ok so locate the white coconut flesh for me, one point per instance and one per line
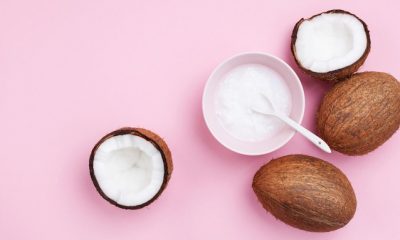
(129, 169)
(330, 41)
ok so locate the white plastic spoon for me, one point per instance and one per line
(300, 129)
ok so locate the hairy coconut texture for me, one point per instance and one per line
(151, 137)
(334, 56)
(306, 193)
(359, 114)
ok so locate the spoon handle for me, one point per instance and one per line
(305, 132)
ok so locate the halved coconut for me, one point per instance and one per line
(330, 45)
(130, 167)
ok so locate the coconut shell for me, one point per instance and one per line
(338, 74)
(359, 114)
(158, 143)
(306, 193)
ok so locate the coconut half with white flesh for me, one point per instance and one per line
(130, 167)
(330, 46)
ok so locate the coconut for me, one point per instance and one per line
(359, 114)
(305, 192)
(130, 167)
(331, 45)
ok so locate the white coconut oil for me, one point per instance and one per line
(241, 90)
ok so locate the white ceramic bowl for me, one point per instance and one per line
(267, 145)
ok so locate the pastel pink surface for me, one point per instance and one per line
(71, 71)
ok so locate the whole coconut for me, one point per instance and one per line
(305, 192)
(359, 114)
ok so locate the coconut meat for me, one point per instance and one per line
(129, 169)
(330, 41)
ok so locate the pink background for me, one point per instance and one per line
(71, 71)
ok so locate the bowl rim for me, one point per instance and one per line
(298, 84)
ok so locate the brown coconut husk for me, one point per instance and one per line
(361, 113)
(305, 192)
